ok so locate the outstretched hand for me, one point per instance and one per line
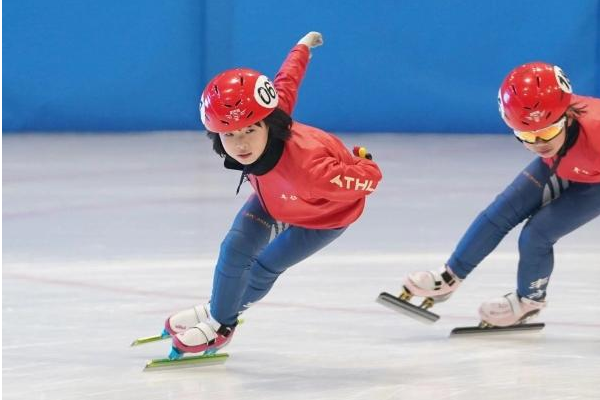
(312, 39)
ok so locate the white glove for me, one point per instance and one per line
(312, 39)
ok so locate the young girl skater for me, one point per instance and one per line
(557, 193)
(308, 188)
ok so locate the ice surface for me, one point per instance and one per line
(105, 235)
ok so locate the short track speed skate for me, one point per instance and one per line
(506, 314)
(433, 286)
(403, 305)
(179, 359)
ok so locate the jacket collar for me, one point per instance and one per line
(266, 162)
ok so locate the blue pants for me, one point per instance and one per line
(254, 253)
(553, 206)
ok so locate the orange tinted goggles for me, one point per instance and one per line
(545, 134)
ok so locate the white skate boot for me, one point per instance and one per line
(183, 320)
(508, 310)
(205, 337)
(434, 286)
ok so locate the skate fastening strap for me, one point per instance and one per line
(225, 331)
(448, 278)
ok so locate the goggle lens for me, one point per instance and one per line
(545, 134)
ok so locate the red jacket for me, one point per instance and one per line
(582, 161)
(317, 183)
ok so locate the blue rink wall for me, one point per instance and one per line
(392, 66)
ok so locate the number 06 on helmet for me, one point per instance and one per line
(235, 99)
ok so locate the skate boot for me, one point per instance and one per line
(505, 315)
(183, 320)
(205, 337)
(508, 310)
(177, 323)
(434, 286)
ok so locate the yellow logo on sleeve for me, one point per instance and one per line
(350, 183)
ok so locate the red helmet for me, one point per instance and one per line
(534, 96)
(235, 99)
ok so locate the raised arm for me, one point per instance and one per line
(288, 79)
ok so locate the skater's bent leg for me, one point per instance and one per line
(248, 235)
(579, 204)
(290, 247)
(517, 202)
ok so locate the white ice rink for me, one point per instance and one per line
(105, 235)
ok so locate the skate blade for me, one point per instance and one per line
(187, 361)
(149, 339)
(496, 330)
(404, 307)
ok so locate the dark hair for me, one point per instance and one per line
(575, 110)
(279, 123)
